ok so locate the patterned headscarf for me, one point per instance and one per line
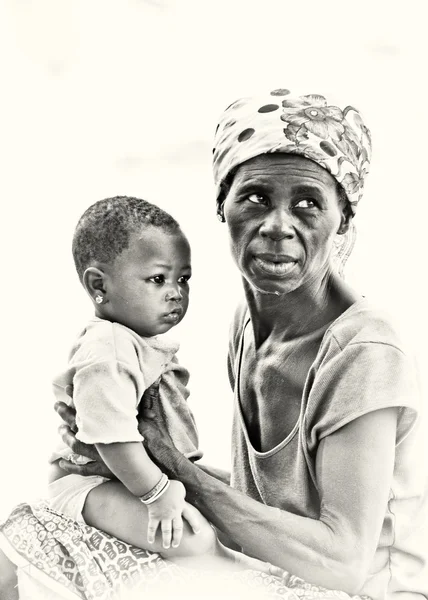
(308, 126)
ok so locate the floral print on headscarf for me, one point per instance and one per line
(334, 138)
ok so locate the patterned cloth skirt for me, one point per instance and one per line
(59, 559)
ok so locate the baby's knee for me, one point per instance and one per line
(205, 541)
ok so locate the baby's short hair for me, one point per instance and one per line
(104, 229)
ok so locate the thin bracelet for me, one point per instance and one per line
(153, 494)
(158, 495)
(154, 491)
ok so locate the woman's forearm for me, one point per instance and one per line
(305, 547)
(220, 474)
(354, 469)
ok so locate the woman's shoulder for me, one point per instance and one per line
(366, 323)
(363, 365)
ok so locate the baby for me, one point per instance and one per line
(134, 262)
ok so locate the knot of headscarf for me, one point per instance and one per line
(334, 138)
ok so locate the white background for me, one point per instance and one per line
(102, 97)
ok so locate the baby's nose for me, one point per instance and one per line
(174, 293)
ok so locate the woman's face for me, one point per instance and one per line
(283, 213)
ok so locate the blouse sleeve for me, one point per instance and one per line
(106, 396)
(358, 379)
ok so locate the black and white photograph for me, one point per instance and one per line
(214, 300)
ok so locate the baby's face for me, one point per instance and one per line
(148, 284)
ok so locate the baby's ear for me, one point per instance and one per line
(93, 281)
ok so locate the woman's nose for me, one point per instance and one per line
(174, 293)
(277, 225)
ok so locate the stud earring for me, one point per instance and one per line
(220, 217)
(99, 299)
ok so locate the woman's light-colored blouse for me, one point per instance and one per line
(360, 366)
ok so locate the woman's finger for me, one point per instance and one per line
(276, 571)
(177, 531)
(92, 468)
(166, 527)
(149, 414)
(152, 528)
(193, 517)
(70, 467)
(70, 440)
(67, 414)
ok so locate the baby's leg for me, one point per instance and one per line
(112, 508)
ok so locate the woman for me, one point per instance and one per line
(325, 432)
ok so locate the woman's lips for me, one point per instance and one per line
(275, 264)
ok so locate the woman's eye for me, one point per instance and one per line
(256, 198)
(305, 203)
(157, 279)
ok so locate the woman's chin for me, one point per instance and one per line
(271, 288)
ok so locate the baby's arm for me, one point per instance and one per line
(133, 467)
(131, 464)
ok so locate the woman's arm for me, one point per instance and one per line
(354, 471)
(99, 466)
(220, 474)
(68, 434)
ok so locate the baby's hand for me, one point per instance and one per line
(168, 511)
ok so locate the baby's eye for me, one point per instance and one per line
(184, 279)
(305, 203)
(157, 279)
(256, 198)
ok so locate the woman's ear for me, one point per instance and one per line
(94, 283)
(345, 219)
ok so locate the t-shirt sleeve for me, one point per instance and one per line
(358, 379)
(106, 395)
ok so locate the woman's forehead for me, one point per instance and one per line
(267, 166)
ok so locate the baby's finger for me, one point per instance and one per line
(166, 527)
(193, 517)
(152, 528)
(177, 531)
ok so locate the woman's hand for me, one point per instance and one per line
(68, 434)
(157, 440)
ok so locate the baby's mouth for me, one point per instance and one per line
(174, 315)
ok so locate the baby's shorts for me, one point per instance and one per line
(68, 494)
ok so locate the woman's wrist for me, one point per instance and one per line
(171, 460)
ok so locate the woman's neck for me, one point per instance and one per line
(302, 311)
